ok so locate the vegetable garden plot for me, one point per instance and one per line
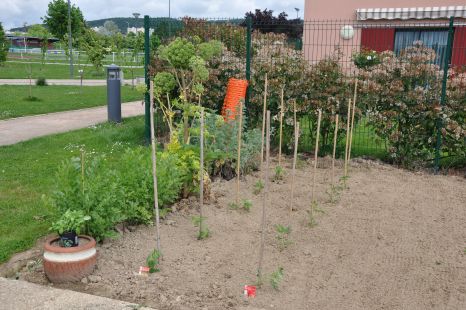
(393, 238)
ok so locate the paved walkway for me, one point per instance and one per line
(75, 82)
(21, 295)
(24, 128)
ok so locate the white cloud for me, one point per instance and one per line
(13, 13)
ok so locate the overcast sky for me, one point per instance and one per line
(13, 13)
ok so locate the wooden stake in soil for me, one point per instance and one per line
(347, 136)
(238, 159)
(265, 198)
(335, 133)
(352, 118)
(263, 121)
(316, 152)
(281, 128)
(295, 156)
(201, 172)
(154, 165)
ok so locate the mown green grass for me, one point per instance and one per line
(28, 172)
(14, 99)
(365, 141)
(17, 70)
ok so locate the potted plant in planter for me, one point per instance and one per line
(69, 227)
(70, 256)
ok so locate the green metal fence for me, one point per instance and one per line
(410, 101)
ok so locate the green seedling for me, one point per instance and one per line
(258, 187)
(204, 232)
(163, 212)
(279, 173)
(283, 233)
(153, 261)
(233, 206)
(276, 277)
(334, 193)
(343, 180)
(247, 205)
(312, 222)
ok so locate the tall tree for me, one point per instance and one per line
(3, 45)
(56, 19)
(264, 21)
(110, 28)
(38, 31)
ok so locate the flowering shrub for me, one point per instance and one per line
(401, 96)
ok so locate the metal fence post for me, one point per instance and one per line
(443, 96)
(248, 58)
(146, 78)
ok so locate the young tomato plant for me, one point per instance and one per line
(205, 232)
(276, 278)
(258, 187)
(283, 234)
(153, 260)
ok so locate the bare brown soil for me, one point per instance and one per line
(394, 240)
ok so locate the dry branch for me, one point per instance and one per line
(238, 160)
(265, 198)
(154, 165)
(335, 133)
(295, 157)
(263, 121)
(316, 151)
(347, 136)
(352, 118)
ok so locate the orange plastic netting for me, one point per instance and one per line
(236, 91)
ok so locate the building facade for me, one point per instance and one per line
(349, 26)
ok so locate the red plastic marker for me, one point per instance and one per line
(143, 270)
(250, 291)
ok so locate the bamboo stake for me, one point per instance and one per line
(265, 198)
(201, 171)
(238, 161)
(263, 121)
(316, 151)
(295, 156)
(352, 118)
(281, 128)
(154, 166)
(347, 136)
(335, 133)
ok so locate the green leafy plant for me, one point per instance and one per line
(311, 220)
(187, 62)
(276, 278)
(247, 205)
(334, 192)
(283, 234)
(366, 58)
(258, 187)
(70, 221)
(279, 173)
(205, 232)
(153, 260)
(233, 206)
(402, 96)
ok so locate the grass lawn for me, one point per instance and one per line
(365, 141)
(27, 172)
(16, 70)
(14, 99)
